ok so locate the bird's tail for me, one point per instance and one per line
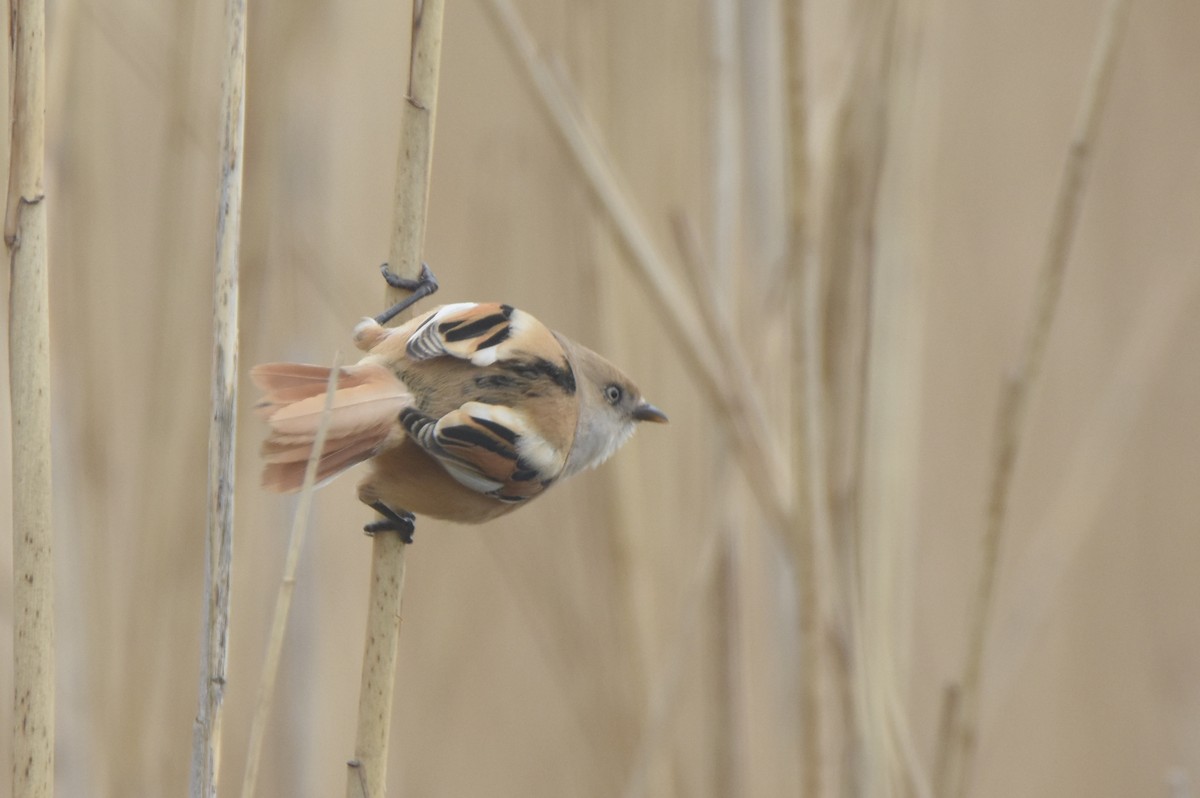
(366, 404)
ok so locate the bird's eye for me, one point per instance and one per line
(613, 394)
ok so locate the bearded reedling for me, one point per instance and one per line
(464, 413)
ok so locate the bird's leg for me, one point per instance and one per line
(421, 287)
(401, 521)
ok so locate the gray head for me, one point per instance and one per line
(610, 408)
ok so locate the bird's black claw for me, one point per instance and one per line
(425, 280)
(403, 522)
(421, 287)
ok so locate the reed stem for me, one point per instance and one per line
(214, 649)
(29, 386)
(367, 775)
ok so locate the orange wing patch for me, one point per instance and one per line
(489, 449)
(482, 333)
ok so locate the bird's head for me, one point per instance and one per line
(610, 408)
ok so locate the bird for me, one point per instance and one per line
(463, 413)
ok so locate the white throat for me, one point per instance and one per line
(596, 440)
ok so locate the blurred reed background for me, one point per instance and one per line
(635, 632)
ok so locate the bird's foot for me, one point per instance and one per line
(421, 287)
(401, 521)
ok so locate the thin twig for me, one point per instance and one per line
(663, 698)
(1096, 470)
(723, 338)
(834, 333)
(1014, 400)
(283, 599)
(730, 741)
(754, 445)
(29, 386)
(727, 170)
(803, 528)
(214, 650)
(367, 773)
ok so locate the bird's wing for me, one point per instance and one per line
(510, 440)
(483, 333)
(492, 449)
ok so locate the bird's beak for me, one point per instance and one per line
(648, 412)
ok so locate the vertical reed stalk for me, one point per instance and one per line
(367, 774)
(720, 283)
(214, 652)
(29, 370)
(803, 530)
(956, 764)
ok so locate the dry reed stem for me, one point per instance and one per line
(722, 379)
(726, 339)
(663, 698)
(835, 293)
(729, 756)
(803, 405)
(889, 436)
(731, 357)
(1093, 474)
(367, 772)
(954, 779)
(283, 599)
(727, 172)
(29, 386)
(214, 654)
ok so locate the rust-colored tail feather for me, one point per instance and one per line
(365, 408)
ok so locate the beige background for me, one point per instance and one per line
(598, 643)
